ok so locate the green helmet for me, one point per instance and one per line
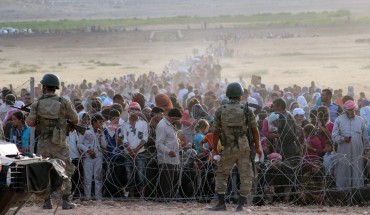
(50, 80)
(234, 89)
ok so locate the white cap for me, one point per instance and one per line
(298, 111)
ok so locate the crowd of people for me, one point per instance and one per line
(152, 137)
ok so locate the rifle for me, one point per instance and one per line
(250, 140)
(80, 129)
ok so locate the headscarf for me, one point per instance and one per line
(273, 117)
(298, 111)
(349, 105)
(163, 101)
(275, 156)
(302, 102)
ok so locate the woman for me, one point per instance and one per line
(324, 125)
(187, 121)
(20, 133)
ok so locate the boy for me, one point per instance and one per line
(92, 144)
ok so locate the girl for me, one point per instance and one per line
(201, 128)
(20, 133)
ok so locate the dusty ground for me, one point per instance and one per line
(191, 208)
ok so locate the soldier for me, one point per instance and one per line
(50, 113)
(231, 123)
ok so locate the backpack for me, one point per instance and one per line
(233, 117)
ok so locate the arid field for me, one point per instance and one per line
(329, 55)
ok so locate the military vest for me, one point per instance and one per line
(233, 118)
(51, 117)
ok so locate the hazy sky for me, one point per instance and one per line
(77, 9)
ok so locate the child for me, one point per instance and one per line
(201, 128)
(91, 144)
(329, 158)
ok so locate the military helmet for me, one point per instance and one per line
(50, 80)
(234, 89)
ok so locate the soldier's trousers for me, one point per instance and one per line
(58, 151)
(225, 165)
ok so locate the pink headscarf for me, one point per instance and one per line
(349, 105)
(274, 155)
(134, 105)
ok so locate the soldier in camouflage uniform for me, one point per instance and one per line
(231, 123)
(50, 113)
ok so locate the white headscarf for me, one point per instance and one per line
(302, 102)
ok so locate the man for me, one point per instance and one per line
(5, 108)
(154, 92)
(231, 123)
(185, 98)
(27, 98)
(135, 136)
(334, 109)
(286, 130)
(156, 116)
(108, 101)
(252, 102)
(182, 91)
(50, 114)
(168, 154)
(120, 100)
(350, 135)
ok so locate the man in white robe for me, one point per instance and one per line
(350, 135)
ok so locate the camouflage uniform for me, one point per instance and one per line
(50, 113)
(236, 146)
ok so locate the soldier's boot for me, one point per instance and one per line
(241, 202)
(67, 204)
(47, 203)
(221, 206)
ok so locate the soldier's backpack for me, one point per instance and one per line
(233, 117)
(50, 110)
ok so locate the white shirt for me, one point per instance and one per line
(72, 142)
(166, 141)
(252, 100)
(181, 94)
(90, 140)
(134, 135)
(107, 101)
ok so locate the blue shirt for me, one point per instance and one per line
(334, 109)
(197, 139)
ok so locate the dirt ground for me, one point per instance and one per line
(190, 208)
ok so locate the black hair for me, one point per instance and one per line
(280, 102)
(96, 117)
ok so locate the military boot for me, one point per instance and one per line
(241, 202)
(67, 204)
(47, 203)
(220, 205)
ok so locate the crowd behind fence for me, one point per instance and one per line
(307, 176)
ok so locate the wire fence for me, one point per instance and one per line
(293, 182)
